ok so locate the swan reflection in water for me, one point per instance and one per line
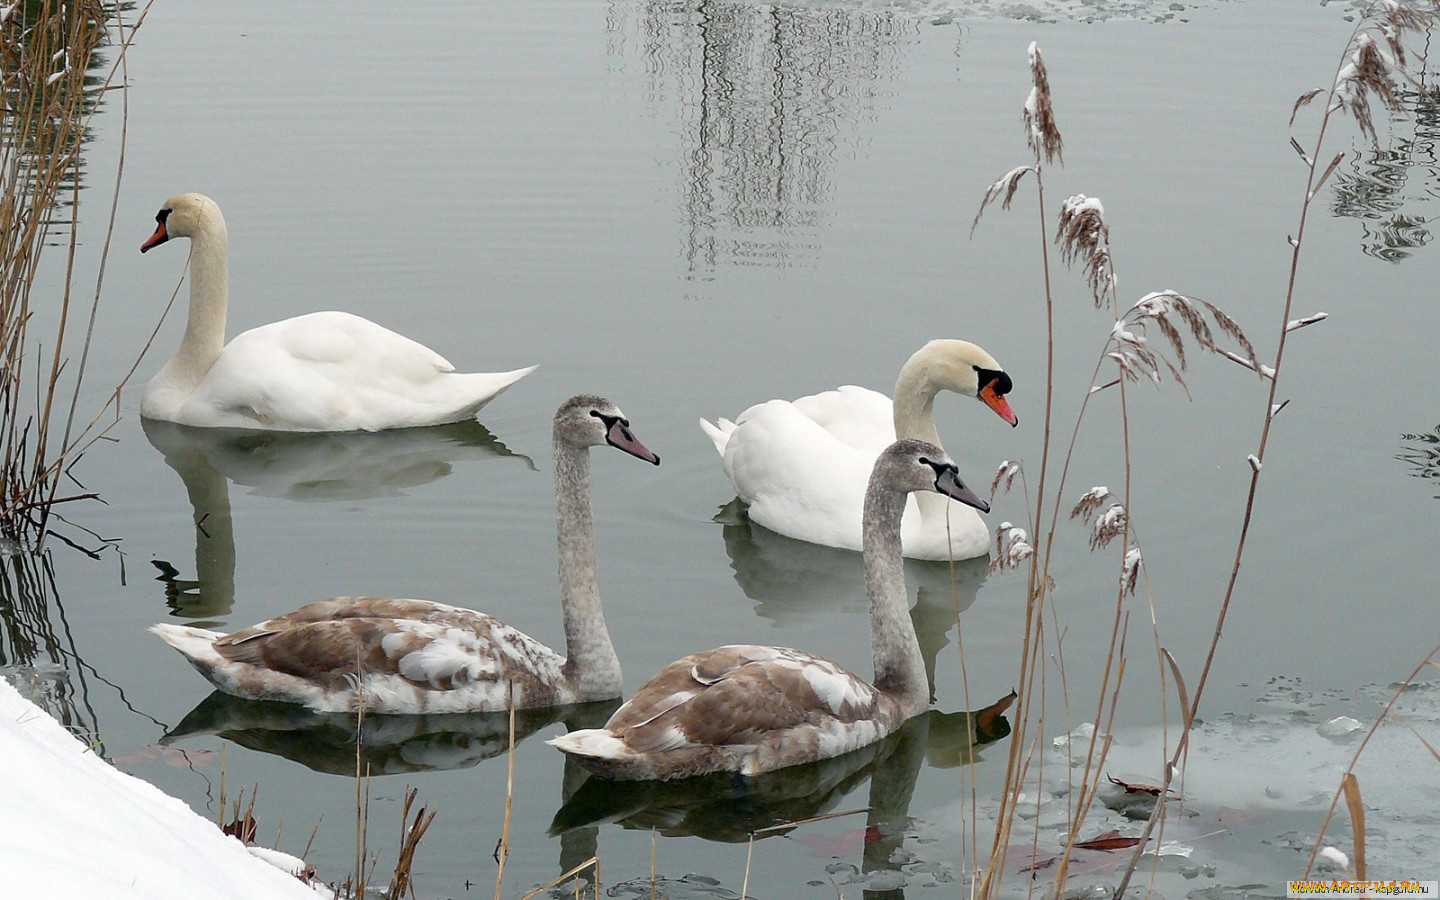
(304, 467)
(388, 744)
(733, 809)
(795, 582)
(394, 744)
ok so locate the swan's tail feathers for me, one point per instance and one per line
(496, 383)
(599, 751)
(196, 644)
(719, 432)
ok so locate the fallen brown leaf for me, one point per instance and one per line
(1136, 788)
(1110, 840)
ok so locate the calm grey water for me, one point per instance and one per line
(690, 208)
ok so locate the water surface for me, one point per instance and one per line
(688, 209)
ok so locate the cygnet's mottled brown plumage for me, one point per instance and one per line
(751, 709)
(415, 656)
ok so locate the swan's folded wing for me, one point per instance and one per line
(737, 696)
(432, 655)
(855, 416)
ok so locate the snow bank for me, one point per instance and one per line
(71, 825)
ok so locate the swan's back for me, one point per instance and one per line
(383, 654)
(333, 371)
(743, 708)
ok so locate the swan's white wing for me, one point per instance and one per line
(333, 371)
(796, 476)
(855, 416)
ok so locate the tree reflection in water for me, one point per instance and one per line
(765, 99)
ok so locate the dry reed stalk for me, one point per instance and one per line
(1361, 74)
(1400, 689)
(592, 862)
(1351, 787)
(410, 836)
(1045, 143)
(362, 783)
(1083, 238)
(46, 111)
(502, 849)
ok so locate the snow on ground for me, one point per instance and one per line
(71, 825)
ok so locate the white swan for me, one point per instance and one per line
(802, 466)
(750, 709)
(325, 371)
(415, 656)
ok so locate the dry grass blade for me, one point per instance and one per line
(1168, 311)
(1351, 787)
(1301, 102)
(411, 832)
(786, 826)
(1003, 190)
(1179, 688)
(592, 862)
(1329, 170)
(1428, 746)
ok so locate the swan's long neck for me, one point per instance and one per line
(914, 406)
(590, 657)
(899, 667)
(209, 298)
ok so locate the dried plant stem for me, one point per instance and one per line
(410, 835)
(49, 46)
(592, 862)
(502, 852)
(1360, 748)
(1315, 176)
(1038, 579)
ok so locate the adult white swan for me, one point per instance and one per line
(415, 656)
(325, 371)
(749, 709)
(801, 466)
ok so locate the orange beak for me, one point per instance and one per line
(159, 237)
(998, 403)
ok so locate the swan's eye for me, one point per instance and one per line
(162, 215)
(997, 379)
(596, 414)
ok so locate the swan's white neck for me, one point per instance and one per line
(914, 406)
(590, 657)
(899, 667)
(209, 298)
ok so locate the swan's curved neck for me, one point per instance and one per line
(914, 405)
(590, 657)
(899, 667)
(209, 298)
